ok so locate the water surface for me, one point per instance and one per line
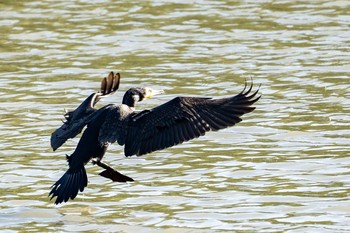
(285, 168)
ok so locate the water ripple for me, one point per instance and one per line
(284, 168)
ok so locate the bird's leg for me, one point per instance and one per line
(110, 173)
(100, 164)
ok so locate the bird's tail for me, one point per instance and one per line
(69, 184)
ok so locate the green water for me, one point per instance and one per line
(285, 168)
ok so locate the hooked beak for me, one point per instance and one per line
(152, 92)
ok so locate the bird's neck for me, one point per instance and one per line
(129, 100)
(127, 108)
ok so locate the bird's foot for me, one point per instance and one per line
(115, 176)
(110, 173)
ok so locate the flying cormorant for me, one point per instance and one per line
(180, 119)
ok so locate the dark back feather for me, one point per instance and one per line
(114, 127)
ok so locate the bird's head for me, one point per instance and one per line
(134, 95)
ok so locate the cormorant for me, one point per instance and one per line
(180, 119)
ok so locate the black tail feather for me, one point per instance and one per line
(68, 186)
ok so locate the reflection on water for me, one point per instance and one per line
(284, 168)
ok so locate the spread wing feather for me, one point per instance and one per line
(183, 119)
(77, 119)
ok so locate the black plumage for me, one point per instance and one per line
(76, 120)
(180, 119)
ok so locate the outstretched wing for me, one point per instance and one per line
(77, 119)
(183, 119)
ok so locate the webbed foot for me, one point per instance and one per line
(110, 173)
(115, 176)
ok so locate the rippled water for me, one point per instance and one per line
(285, 168)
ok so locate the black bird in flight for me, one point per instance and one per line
(140, 132)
